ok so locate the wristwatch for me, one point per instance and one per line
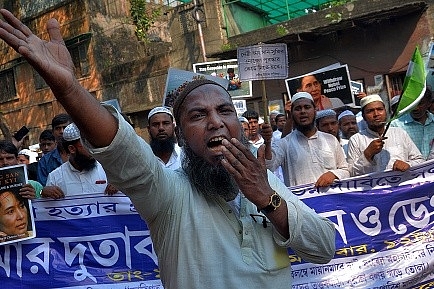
(275, 202)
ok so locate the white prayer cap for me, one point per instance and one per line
(345, 113)
(31, 155)
(370, 98)
(243, 119)
(325, 112)
(71, 132)
(25, 152)
(159, 109)
(300, 95)
(395, 100)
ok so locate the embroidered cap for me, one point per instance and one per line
(159, 109)
(71, 132)
(345, 113)
(325, 112)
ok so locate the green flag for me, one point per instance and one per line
(414, 85)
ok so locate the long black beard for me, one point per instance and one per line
(84, 162)
(162, 146)
(211, 180)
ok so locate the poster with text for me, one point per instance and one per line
(333, 84)
(16, 214)
(226, 69)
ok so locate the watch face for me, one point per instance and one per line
(275, 200)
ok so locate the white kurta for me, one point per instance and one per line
(200, 241)
(304, 159)
(73, 182)
(397, 146)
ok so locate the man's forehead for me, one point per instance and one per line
(302, 102)
(374, 104)
(160, 116)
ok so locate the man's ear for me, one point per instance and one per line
(179, 136)
(71, 149)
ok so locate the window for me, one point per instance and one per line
(78, 48)
(39, 81)
(8, 90)
(396, 81)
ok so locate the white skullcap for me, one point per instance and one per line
(25, 152)
(345, 113)
(71, 132)
(395, 100)
(370, 98)
(159, 109)
(31, 154)
(243, 119)
(260, 120)
(325, 112)
(300, 95)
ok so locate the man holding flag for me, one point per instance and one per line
(370, 151)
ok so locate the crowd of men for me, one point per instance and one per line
(323, 146)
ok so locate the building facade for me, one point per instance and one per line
(375, 38)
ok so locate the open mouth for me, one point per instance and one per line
(215, 142)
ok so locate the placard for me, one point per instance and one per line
(264, 61)
(227, 69)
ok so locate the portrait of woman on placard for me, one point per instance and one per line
(14, 216)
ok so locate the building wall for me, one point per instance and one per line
(120, 66)
(374, 37)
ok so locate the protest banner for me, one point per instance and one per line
(332, 82)
(385, 234)
(384, 223)
(16, 214)
(227, 69)
(94, 241)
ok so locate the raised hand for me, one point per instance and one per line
(50, 58)
(53, 62)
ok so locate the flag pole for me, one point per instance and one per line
(391, 118)
(265, 101)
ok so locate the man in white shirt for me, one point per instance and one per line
(369, 151)
(161, 129)
(255, 137)
(280, 120)
(82, 173)
(307, 155)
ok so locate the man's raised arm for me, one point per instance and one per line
(51, 59)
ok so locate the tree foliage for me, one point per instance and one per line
(142, 18)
